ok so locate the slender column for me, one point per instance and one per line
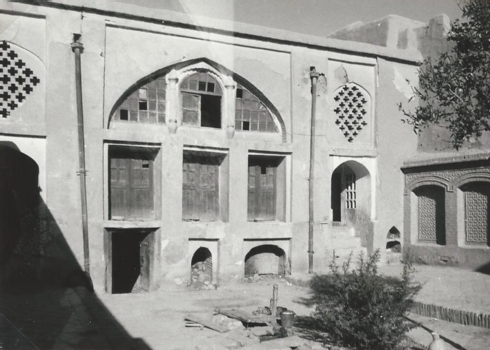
(229, 116)
(314, 78)
(172, 101)
(77, 48)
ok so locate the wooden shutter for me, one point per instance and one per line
(119, 200)
(141, 189)
(262, 192)
(191, 109)
(131, 187)
(200, 188)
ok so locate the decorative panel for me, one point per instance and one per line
(17, 80)
(431, 214)
(351, 109)
(476, 214)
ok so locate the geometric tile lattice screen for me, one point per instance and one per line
(427, 218)
(17, 80)
(476, 213)
(350, 105)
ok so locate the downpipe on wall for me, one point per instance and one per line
(77, 48)
(314, 78)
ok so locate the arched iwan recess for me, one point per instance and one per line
(148, 83)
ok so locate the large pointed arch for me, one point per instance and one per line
(218, 67)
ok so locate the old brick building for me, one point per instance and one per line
(197, 147)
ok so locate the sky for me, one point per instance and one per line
(314, 17)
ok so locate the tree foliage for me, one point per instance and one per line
(454, 88)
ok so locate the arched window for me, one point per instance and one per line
(431, 214)
(251, 114)
(145, 104)
(476, 198)
(344, 194)
(201, 101)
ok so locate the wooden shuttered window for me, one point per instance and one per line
(262, 187)
(200, 187)
(131, 186)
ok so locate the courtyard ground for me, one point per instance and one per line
(75, 319)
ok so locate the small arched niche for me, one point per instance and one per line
(265, 259)
(202, 267)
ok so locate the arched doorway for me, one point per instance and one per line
(265, 259)
(350, 193)
(476, 213)
(19, 200)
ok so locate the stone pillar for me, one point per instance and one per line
(229, 106)
(172, 101)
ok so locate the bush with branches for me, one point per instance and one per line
(358, 308)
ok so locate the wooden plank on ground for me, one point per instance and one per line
(243, 316)
(206, 323)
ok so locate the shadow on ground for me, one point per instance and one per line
(47, 300)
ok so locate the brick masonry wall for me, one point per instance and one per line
(451, 176)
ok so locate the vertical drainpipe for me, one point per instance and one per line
(314, 78)
(77, 48)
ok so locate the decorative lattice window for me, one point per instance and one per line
(251, 114)
(17, 80)
(350, 109)
(431, 214)
(144, 105)
(350, 191)
(476, 213)
(201, 101)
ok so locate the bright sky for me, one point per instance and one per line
(315, 17)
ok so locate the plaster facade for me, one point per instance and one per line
(129, 51)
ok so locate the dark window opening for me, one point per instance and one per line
(124, 114)
(211, 111)
(246, 126)
(130, 261)
(239, 93)
(201, 101)
(143, 105)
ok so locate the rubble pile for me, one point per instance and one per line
(202, 275)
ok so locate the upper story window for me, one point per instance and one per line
(251, 114)
(145, 105)
(201, 101)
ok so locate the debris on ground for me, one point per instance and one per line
(206, 322)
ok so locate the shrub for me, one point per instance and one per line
(359, 308)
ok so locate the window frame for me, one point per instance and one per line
(206, 157)
(278, 163)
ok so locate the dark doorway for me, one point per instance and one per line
(131, 261)
(266, 259)
(336, 191)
